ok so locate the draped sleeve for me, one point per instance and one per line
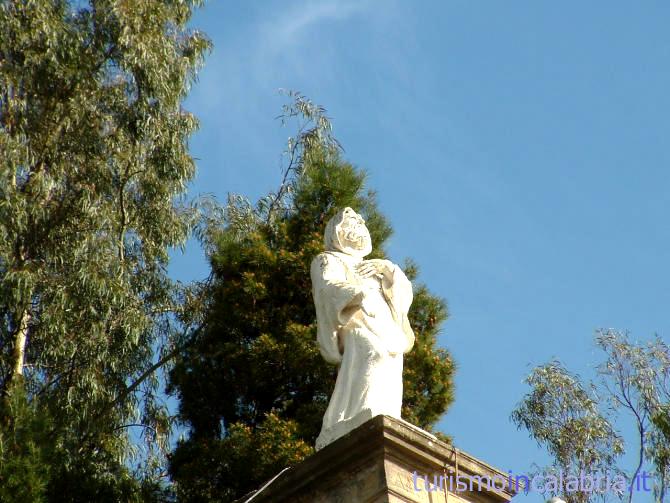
(334, 296)
(399, 295)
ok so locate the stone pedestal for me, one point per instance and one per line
(387, 460)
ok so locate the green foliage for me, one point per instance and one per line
(253, 387)
(93, 159)
(24, 471)
(244, 453)
(636, 378)
(428, 370)
(563, 416)
(576, 422)
(660, 448)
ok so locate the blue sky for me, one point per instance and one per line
(520, 150)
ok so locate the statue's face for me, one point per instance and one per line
(353, 233)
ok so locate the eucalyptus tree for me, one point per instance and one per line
(564, 416)
(637, 380)
(660, 451)
(579, 423)
(93, 162)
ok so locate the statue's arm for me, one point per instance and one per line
(398, 290)
(329, 277)
(335, 300)
(401, 288)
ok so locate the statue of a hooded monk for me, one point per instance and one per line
(361, 308)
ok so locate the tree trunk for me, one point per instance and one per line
(20, 344)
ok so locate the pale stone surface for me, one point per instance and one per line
(361, 308)
(376, 463)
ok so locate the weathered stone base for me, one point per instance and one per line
(385, 460)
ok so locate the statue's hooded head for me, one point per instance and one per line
(346, 232)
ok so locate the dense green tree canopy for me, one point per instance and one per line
(93, 156)
(253, 387)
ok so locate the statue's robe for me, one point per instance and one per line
(362, 327)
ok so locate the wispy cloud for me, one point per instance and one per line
(269, 50)
(287, 29)
(314, 47)
(280, 48)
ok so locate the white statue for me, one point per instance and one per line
(361, 309)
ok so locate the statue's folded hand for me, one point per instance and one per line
(376, 267)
